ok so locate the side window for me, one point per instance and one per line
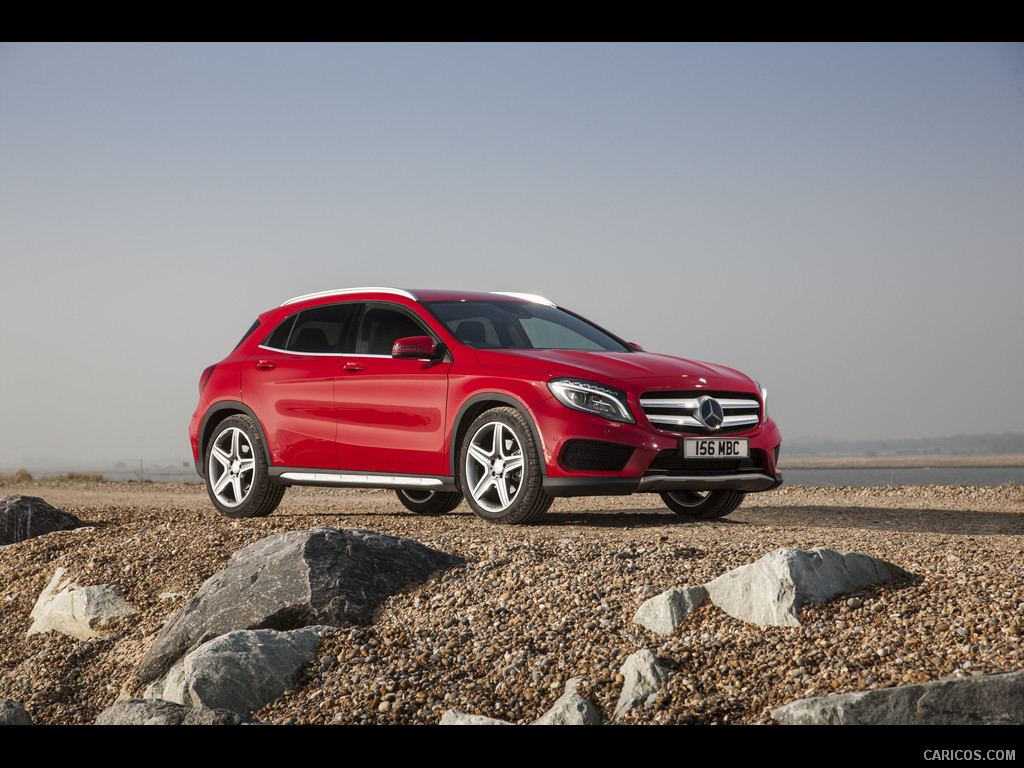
(319, 330)
(381, 326)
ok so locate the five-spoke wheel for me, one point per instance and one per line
(236, 470)
(500, 470)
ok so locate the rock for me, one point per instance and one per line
(996, 699)
(81, 612)
(662, 614)
(570, 709)
(643, 676)
(25, 517)
(296, 579)
(241, 671)
(157, 712)
(12, 713)
(770, 591)
(455, 717)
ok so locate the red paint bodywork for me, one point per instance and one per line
(378, 414)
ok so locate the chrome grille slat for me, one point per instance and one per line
(675, 411)
(689, 421)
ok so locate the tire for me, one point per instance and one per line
(428, 502)
(703, 505)
(237, 477)
(500, 470)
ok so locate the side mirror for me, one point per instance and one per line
(417, 348)
(636, 346)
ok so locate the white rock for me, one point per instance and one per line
(82, 612)
(571, 709)
(643, 676)
(770, 591)
(455, 717)
(663, 613)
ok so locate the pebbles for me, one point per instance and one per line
(536, 606)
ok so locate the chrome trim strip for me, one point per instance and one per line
(689, 421)
(380, 481)
(690, 403)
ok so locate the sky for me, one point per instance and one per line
(843, 222)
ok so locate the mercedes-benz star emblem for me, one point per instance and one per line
(710, 413)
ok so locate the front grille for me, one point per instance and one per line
(677, 411)
(595, 456)
(673, 463)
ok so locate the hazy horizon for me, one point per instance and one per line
(843, 222)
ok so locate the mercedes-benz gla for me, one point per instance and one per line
(506, 400)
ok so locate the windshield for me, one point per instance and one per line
(521, 325)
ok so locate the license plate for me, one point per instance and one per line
(716, 448)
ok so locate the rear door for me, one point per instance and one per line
(289, 383)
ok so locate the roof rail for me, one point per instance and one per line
(526, 297)
(341, 291)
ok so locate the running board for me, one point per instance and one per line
(363, 480)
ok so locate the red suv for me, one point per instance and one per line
(506, 399)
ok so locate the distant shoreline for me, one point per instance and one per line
(897, 462)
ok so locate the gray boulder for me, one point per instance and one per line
(981, 700)
(82, 612)
(643, 677)
(663, 613)
(571, 709)
(12, 713)
(770, 591)
(329, 576)
(240, 671)
(25, 517)
(157, 712)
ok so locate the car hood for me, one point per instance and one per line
(604, 366)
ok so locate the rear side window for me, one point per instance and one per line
(248, 333)
(318, 330)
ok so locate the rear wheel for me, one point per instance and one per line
(428, 502)
(702, 505)
(237, 476)
(500, 469)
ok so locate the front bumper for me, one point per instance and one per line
(652, 460)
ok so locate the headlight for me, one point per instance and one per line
(593, 398)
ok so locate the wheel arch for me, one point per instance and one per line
(214, 416)
(472, 408)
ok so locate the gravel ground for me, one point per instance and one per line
(538, 605)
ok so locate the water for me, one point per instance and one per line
(879, 476)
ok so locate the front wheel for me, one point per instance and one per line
(428, 502)
(499, 468)
(237, 476)
(702, 505)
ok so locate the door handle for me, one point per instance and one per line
(353, 367)
(265, 365)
